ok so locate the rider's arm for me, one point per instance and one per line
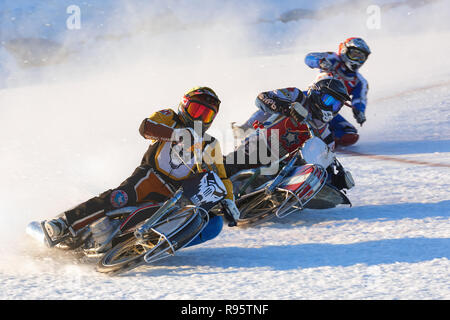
(279, 101)
(359, 99)
(359, 94)
(326, 61)
(159, 126)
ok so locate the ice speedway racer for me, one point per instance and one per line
(310, 176)
(293, 127)
(164, 205)
(121, 244)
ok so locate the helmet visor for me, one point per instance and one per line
(356, 55)
(331, 103)
(199, 111)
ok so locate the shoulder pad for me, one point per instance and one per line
(165, 116)
(289, 94)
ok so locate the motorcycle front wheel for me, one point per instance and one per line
(166, 237)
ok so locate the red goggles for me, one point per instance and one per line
(200, 111)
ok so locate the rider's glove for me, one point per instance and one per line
(231, 213)
(298, 112)
(360, 117)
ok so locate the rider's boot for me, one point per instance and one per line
(56, 228)
(347, 139)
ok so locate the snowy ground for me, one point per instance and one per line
(72, 133)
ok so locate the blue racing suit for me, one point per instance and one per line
(356, 84)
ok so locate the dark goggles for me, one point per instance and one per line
(356, 55)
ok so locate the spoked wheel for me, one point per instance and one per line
(254, 208)
(166, 237)
(258, 208)
(124, 256)
(240, 180)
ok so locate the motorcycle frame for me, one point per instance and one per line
(149, 224)
(319, 175)
(170, 251)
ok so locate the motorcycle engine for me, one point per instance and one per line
(102, 229)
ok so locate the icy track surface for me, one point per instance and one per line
(65, 140)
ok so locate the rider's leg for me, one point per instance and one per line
(143, 185)
(258, 115)
(211, 231)
(344, 132)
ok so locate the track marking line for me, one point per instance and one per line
(387, 158)
(396, 95)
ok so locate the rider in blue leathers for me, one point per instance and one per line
(344, 66)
